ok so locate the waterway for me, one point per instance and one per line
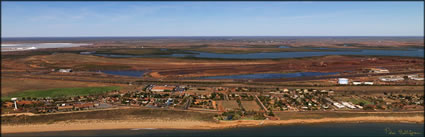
(274, 55)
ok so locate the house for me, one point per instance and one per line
(83, 106)
(348, 105)
(343, 81)
(414, 77)
(65, 70)
(65, 108)
(163, 88)
(357, 83)
(378, 70)
(338, 105)
(180, 89)
(8, 104)
(391, 78)
(358, 106)
(417, 78)
(413, 107)
(368, 83)
(24, 102)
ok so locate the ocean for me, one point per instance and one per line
(329, 129)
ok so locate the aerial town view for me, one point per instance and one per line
(212, 69)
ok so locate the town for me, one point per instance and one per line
(238, 100)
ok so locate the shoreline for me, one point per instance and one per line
(190, 124)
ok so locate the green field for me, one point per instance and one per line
(62, 92)
(356, 100)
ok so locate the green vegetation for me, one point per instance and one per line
(359, 101)
(62, 92)
(230, 115)
(118, 114)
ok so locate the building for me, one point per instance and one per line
(349, 105)
(357, 83)
(163, 88)
(180, 88)
(338, 105)
(378, 70)
(417, 78)
(414, 77)
(65, 70)
(368, 83)
(343, 81)
(391, 78)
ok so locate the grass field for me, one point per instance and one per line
(117, 114)
(229, 105)
(15, 85)
(250, 105)
(359, 100)
(62, 92)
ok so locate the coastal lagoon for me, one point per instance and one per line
(274, 55)
(329, 129)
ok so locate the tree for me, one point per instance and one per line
(259, 116)
(213, 95)
(271, 113)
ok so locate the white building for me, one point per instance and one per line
(378, 70)
(391, 78)
(414, 77)
(343, 81)
(417, 78)
(368, 83)
(357, 83)
(65, 70)
(338, 105)
(348, 105)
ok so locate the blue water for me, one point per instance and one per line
(408, 53)
(124, 73)
(284, 47)
(370, 52)
(270, 75)
(336, 129)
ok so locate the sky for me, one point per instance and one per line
(81, 19)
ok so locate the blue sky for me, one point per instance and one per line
(44, 19)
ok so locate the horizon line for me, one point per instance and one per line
(216, 36)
